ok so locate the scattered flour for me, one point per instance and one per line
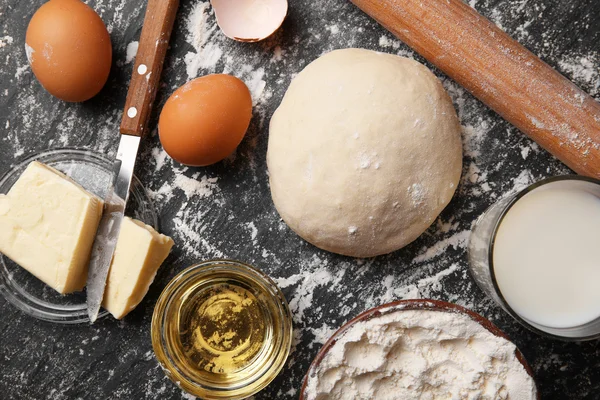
(132, 49)
(5, 41)
(315, 285)
(190, 229)
(323, 333)
(314, 275)
(524, 179)
(119, 17)
(585, 70)
(302, 299)
(200, 32)
(256, 84)
(160, 157)
(385, 42)
(457, 240)
(417, 193)
(277, 54)
(20, 71)
(195, 186)
(253, 232)
(424, 288)
(208, 42)
(287, 282)
(334, 29)
(187, 396)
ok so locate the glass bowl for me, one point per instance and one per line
(480, 251)
(25, 291)
(222, 329)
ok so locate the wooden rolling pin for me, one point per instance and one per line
(499, 71)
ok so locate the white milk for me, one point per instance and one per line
(547, 257)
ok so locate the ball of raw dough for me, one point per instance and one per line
(364, 152)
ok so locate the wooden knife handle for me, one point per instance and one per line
(499, 71)
(154, 42)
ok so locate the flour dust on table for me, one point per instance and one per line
(233, 216)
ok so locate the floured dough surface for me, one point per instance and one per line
(364, 152)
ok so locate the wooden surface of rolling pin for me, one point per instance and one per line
(499, 71)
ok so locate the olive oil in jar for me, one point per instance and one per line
(222, 329)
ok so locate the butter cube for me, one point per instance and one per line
(47, 225)
(139, 253)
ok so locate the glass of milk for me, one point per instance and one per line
(537, 254)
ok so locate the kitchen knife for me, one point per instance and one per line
(154, 41)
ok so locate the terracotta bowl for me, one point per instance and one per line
(421, 304)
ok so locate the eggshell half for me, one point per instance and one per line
(249, 20)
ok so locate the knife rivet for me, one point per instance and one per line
(132, 112)
(142, 69)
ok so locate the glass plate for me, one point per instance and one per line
(24, 290)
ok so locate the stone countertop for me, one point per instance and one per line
(226, 211)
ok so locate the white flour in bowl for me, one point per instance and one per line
(416, 354)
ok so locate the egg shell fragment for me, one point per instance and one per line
(69, 49)
(249, 20)
(205, 120)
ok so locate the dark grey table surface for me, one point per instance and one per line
(226, 211)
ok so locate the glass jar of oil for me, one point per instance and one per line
(222, 330)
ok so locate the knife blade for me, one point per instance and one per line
(110, 225)
(152, 49)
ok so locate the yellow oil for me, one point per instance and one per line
(223, 330)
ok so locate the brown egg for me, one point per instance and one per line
(69, 49)
(205, 120)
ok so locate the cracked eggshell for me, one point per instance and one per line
(249, 20)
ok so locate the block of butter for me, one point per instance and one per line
(139, 253)
(47, 226)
